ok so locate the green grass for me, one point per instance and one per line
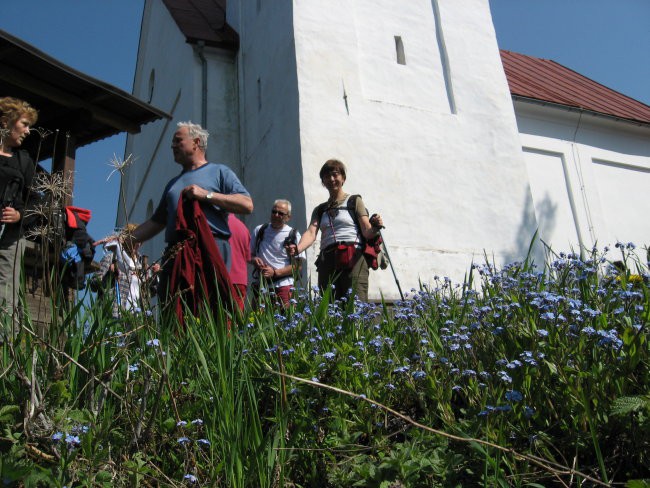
(518, 377)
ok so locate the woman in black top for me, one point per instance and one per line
(16, 173)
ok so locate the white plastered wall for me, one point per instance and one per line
(268, 104)
(450, 186)
(589, 177)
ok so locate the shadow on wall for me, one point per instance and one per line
(271, 151)
(536, 226)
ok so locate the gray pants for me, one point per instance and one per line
(11, 260)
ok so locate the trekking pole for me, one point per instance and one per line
(116, 277)
(296, 272)
(390, 262)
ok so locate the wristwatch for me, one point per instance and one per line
(209, 196)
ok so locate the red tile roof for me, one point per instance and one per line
(547, 81)
(203, 20)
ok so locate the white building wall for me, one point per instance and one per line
(440, 161)
(588, 177)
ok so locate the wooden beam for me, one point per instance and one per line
(61, 97)
(63, 161)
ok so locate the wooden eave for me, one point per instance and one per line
(204, 21)
(70, 104)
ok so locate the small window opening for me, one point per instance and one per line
(152, 83)
(399, 50)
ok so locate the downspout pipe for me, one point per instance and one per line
(199, 49)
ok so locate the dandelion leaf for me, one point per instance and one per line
(7, 413)
(638, 484)
(625, 405)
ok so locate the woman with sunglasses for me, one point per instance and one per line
(344, 230)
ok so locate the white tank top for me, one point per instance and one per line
(345, 228)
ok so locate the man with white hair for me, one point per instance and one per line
(274, 268)
(214, 186)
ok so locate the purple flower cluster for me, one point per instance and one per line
(71, 440)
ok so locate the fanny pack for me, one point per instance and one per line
(344, 256)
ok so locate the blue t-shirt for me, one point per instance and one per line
(212, 177)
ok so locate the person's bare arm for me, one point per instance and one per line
(146, 230)
(288, 270)
(235, 203)
(306, 240)
(370, 227)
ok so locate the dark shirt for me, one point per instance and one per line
(21, 161)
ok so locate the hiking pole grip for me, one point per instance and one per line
(378, 227)
(390, 262)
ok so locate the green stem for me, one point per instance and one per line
(594, 436)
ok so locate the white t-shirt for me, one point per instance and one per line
(128, 270)
(272, 251)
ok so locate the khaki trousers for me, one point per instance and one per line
(343, 280)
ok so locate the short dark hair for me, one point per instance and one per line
(332, 165)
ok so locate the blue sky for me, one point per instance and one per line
(604, 40)
(607, 41)
(99, 38)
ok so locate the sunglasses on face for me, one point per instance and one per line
(277, 212)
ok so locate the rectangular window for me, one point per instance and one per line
(399, 50)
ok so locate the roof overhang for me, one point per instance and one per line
(204, 21)
(545, 82)
(569, 108)
(68, 101)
